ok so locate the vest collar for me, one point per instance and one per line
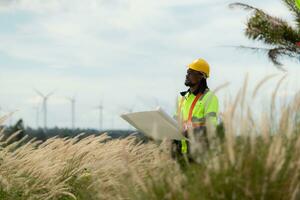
(195, 93)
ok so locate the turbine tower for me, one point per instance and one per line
(100, 108)
(72, 101)
(112, 122)
(45, 99)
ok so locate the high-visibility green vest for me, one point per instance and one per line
(297, 2)
(205, 109)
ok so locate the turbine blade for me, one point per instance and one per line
(39, 93)
(49, 94)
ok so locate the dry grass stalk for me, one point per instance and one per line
(261, 83)
(263, 151)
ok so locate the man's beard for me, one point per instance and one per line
(189, 84)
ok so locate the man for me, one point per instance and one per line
(197, 106)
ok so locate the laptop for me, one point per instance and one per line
(156, 124)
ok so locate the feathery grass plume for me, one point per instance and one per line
(261, 163)
(220, 87)
(257, 159)
(3, 119)
(261, 83)
(243, 94)
(272, 112)
(58, 167)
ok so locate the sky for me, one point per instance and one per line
(131, 55)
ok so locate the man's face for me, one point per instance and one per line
(192, 78)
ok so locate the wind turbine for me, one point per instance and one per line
(111, 119)
(73, 101)
(45, 99)
(100, 108)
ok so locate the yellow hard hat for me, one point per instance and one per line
(200, 65)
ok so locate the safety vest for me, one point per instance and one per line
(194, 111)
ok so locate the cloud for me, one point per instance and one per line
(122, 51)
(70, 33)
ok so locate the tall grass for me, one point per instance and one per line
(87, 169)
(258, 158)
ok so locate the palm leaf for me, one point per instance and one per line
(295, 11)
(272, 31)
(272, 53)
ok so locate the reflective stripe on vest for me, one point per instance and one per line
(184, 147)
(189, 123)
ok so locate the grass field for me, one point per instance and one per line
(258, 158)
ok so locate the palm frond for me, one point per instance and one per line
(291, 5)
(270, 30)
(243, 6)
(274, 54)
(273, 31)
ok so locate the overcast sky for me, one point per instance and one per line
(129, 54)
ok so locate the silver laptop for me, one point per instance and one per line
(156, 124)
